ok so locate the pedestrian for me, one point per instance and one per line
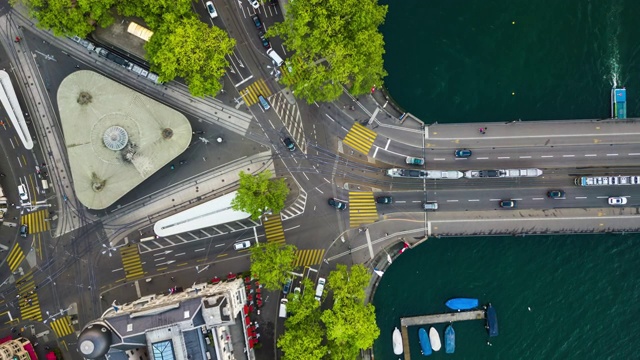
(77, 66)
(173, 279)
(17, 40)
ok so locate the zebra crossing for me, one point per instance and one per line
(15, 257)
(362, 208)
(131, 262)
(296, 208)
(62, 326)
(273, 229)
(37, 221)
(251, 92)
(360, 138)
(308, 257)
(290, 116)
(28, 298)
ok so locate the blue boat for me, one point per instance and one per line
(425, 345)
(619, 103)
(492, 321)
(462, 303)
(449, 340)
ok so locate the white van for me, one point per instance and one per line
(320, 288)
(45, 184)
(275, 57)
(283, 308)
(430, 206)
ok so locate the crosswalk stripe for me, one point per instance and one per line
(36, 221)
(131, 262)
(273, 229)
(309, 257)
(27, 290)
(362, 208)
(15, 257)
(360, 138)
(62, 326)
(251, 92)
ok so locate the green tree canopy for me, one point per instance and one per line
(69, 17)
(335, 43)
(155, 13)
(258, 193)
(192, 50)
(272, 263)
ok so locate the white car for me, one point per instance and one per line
(617, 200)
(22, 190)
(242, 245)
(254, 3)
(211, 9)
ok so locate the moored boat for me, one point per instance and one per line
(425, 345)
(449, 340)
(462, 303)
(492, 321)
(434, 339)
(619, 103)
(397, 342)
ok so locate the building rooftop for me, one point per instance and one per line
(115, 137)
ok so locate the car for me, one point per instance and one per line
(287, 286)
(508, 204)
(296, 293)
(289, 144)
(265, 42)
(320, 288)
(22, 191)
(384, 200)
(338, 204)
(263, 102)
(555, 194)
(24, 230)
(211, 9)
(414, 161)
(242, 245)
(257, 22)
(430, 206)
(617, 200)
(462, 153)
(254, 3)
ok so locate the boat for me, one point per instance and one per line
(425, 345)
(502, 173)
(397, 342)
(492, 321)
(462, 303)
(449, 340)
(378, 272)
(434, 339)
(619, 103)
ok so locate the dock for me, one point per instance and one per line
(405, 322)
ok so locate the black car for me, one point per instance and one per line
(555, 194)
(257, 22)
(265, 42)
(384, 200)
(289, 144)
(338, 204)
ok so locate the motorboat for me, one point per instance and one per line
(462, 303)
(492, 321)
(434, 339)
(449, 340)
(425, 344)
(397, 342)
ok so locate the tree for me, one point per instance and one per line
(259, 193)
(190, 49)
(69, 17)
(157, 12)
(335, 43)
(348, 283)
(272, 263)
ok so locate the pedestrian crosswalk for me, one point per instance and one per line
(62, 326)
(273, 229)
(290, 115)
(362, 208)
(28, 298)
(297, 207)
(15, 257)
(131, 262)
(360, 138)
(308, 257)
(290, 75)
(37, 221)
(251, 92)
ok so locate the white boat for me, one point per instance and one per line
(397, 342)
(434, 339)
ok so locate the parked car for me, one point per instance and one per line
(254, 3)
(287, 286)
(242, 245)
(462, 153)
(508, 204)
(555, 194)
(211, 9)
(289, 144)
(257, 22)
(414, 161)
(384, 200)
(265, 42)
(617, 200)
(430, 206)
(24, 230)
(338, 204)
(320, 288)
(263, 102)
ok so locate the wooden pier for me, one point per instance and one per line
(405, 322)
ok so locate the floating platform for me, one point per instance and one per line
(619, 103)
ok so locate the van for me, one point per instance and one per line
(242, 245)
(430, 206)
(320, 288)
(275, 57)
(45, 184)
(283, 308)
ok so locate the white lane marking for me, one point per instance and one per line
(612, 154)
(580, 197)
(202, 249)
(590, 155)
(634, 154)
(388, 142)
(344, 128)
(416, 201)
(454, 200)
(482, 158)
(546, 156)
(179, 254)
(219, 245)
(114, 270)
(473, 200)
(461, 159)
(291, 228)
(602, 197)
(375, 152)
(271, 124)
(495, 199)
(525, 157)
(325, 179)
(400, 202)
(305, 175)
(504, 157)
(568, 156)
(319, 191)
(538, 199)
(518, 199)
(439, 159)
(158, 259)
